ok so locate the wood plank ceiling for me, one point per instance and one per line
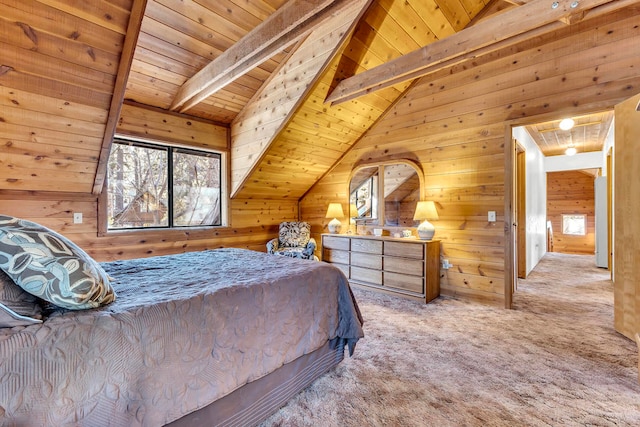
(588, 134)
(177, 39)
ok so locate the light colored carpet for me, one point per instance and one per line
(553, 361)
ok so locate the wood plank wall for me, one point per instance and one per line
(453, 124)
(58, 68)
(571, 192)
(253, 221)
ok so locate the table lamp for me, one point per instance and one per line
(425, 210)
(334, 211)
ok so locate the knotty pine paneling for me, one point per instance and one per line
(253, 223)
(571, 192)
(261, 121)
(319, 133)
(178, 39)
(57, 76)
(453, 122)
(154, 124)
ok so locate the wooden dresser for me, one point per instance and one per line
(404, 266)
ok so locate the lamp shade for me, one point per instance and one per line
(334, 211)
(425, 210)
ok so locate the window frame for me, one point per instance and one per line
(573, 216)
(170, 148)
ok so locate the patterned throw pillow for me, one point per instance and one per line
(49, 266)
(294, 234)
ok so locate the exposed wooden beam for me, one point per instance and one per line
(126, 59)
(323, 44)
(486, 35)
(285, 26)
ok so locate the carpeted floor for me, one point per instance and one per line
(555, 360)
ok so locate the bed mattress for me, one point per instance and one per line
(184, 331)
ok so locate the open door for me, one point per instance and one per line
(601, 222)
(626, 227)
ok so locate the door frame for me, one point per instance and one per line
(510, 270)
(521, 213)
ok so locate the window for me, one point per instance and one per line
(153, 186)
(574, 224)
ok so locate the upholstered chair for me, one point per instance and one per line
(294, 241)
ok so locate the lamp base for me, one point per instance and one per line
(334, 226)
(426, 230)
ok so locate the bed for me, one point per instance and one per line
(218, 337)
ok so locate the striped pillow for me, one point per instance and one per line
(50, 266)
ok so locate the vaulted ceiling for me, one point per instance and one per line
(179, 38)
(281, 144)
(298, 82)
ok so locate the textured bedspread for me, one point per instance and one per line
(185, 330)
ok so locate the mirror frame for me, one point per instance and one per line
(380, 165)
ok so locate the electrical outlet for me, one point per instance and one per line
(446, 265)
(77, 217)
(492, 216)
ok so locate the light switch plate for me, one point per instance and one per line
(77, 217)
(492, 216)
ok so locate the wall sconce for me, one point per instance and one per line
(426, 210)
(334, 211)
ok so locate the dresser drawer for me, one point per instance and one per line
(332, 242)
(343, 267)
(408, 250)
(367, 246)
(333, 255)
(366, 275)
(404, 282)
(414, 267)
(366, 260)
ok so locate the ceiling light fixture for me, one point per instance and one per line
(570, 151)
(567, 124)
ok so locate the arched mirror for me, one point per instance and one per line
(386, 193)
(363, 193)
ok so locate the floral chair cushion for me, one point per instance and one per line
(294, 234)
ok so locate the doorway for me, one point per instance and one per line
(533, 150)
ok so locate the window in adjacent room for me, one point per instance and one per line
(574, 224)
(152, 186)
